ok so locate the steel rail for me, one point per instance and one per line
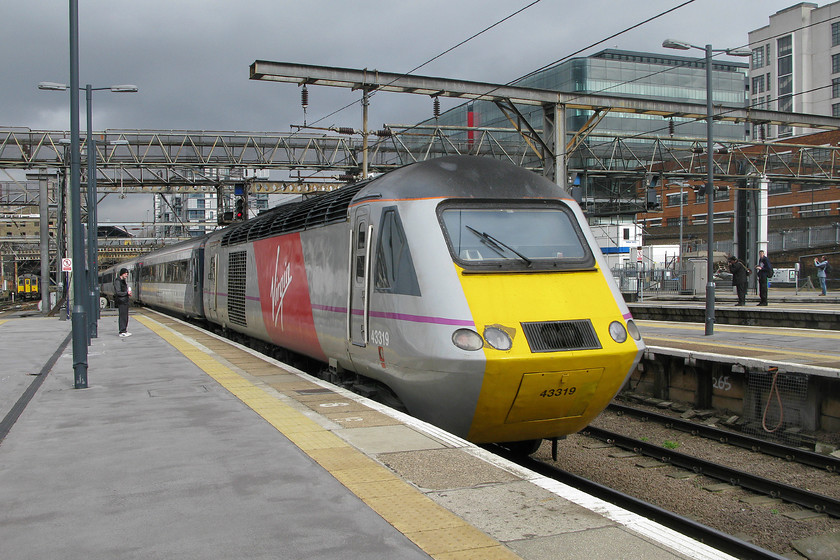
(810, 458)
(683, 525)
(786, 492)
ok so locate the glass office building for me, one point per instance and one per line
(627, 74)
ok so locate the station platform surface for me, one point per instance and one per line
(185, 445)
(752, 336)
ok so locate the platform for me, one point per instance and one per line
(785, 308)
(188, 446)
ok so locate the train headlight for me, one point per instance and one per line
(618, 332)
(497, 338)
(467, 339)
(633, 330)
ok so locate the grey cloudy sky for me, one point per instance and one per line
(190, 58)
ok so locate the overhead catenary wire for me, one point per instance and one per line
(630, 28)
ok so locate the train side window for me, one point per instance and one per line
(394, 272)
(360, 237)
(360, 250)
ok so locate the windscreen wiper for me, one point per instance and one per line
(497, 245)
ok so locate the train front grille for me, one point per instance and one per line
(561, 336)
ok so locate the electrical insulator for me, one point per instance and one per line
(346, 130)
(436, 106)
(304, 98)
(671, 127)
(384, 133)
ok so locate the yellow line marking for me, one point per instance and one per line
(735, 346)
(436, 530)
(784, 331)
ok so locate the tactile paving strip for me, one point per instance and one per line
(440, 533)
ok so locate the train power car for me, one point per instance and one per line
(468, 289)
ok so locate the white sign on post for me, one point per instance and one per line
(66, 265)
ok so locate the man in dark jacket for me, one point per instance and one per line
(739, 279)
(764, 270)
(121, 293)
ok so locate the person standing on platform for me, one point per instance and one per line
(822, 269)
(121, 292)
(739, 279)
(764, 270)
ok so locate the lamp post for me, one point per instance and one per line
(710, 172)
(92, 248)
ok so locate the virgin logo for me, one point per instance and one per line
(279, 285)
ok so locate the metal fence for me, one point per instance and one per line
(657, 281)
(775, 404)
(660, 279)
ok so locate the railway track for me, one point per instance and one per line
(778, 500)
(735, 477)
(698, 531)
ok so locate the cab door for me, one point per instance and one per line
(358, 308)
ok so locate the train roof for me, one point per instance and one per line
(462, 177)
(446, 177)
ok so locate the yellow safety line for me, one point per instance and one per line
(437, 531)
(3, 321)
(784, 331)
(735, 346)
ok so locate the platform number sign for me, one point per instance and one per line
(66, 265)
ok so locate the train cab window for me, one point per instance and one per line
(394, 272)
(514, 236)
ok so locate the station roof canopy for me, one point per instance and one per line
(374, 80)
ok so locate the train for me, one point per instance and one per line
(466, 290)
(28, 286)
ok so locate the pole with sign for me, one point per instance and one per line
(66, 270)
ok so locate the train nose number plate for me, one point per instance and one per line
(555, 394)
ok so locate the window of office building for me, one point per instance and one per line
(784, 62)
(835, 87)
(195, 214)
(835, 64)
(811, 210)
(779, 213)
(785, 45)
(758, 57)
(835, 110)
(813, 186)
(778, 187)
(758, 84)
(786, 103)
(835, 34)
(674, 199)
